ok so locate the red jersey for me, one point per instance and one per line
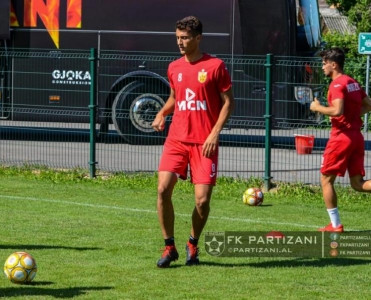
(197, 87)
(348, 89)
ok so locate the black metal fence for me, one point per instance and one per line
(45, 108)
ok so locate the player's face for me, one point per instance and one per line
(186, 42)
(327, 67)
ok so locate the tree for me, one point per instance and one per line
(357, 11)
(359, 15)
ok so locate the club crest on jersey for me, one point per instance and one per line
(202, 75)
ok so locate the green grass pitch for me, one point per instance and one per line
(100, 239)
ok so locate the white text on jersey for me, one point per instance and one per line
(190, 103)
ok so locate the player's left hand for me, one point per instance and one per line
(210, 146)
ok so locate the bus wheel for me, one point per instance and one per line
(133, 111)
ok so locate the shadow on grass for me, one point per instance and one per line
(30, 290)
(40, 247)
(172, 266)
(296, 263)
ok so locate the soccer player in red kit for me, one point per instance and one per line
(201, 101)
(345, 150)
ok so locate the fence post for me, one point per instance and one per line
(92, 110)
(268, 121)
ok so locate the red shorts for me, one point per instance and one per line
(344, 152)
(177, 155)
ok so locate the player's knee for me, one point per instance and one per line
(161, 189)
(357, 185)
(325, 183)
(164, 191)
(203, 204)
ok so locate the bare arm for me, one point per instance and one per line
(335, 110)
(212, 140)
(158, 123)
(366, 105)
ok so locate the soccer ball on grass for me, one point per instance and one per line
(20, 267)
(253, 197)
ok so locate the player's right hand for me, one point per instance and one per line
(314, 104)
(158, 123)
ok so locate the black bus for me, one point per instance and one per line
(233, 29)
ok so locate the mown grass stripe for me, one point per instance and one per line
(246, 220)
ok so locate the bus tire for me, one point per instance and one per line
(134, 109)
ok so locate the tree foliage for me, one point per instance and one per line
(355, 63)
(359, 15)
(357, 11)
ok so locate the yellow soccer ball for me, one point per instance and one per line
(253, 196)
(20, 267)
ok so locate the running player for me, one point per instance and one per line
(345, 150)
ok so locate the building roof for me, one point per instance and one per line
(338, 24)
(333, 21)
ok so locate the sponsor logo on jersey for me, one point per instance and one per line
(190, 103)
(202, 76)
(353, 87)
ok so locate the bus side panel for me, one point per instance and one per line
(159, 43)
(154, 15)
(29, 39)
(50, 88)
(154, 22)
(107, 25)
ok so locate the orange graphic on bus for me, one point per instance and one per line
(13, 18)
(49, 13)
(74, 13)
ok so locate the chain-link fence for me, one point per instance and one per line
(45, 106)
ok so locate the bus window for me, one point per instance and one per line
(260, 36)
(4, 19)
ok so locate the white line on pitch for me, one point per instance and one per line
(153, 211)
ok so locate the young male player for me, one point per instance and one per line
(201, 101)
(344, 151)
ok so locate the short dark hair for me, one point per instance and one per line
(334, 54)
(191, 24)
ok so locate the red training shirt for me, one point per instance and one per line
(348, 89)
(197, 87)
